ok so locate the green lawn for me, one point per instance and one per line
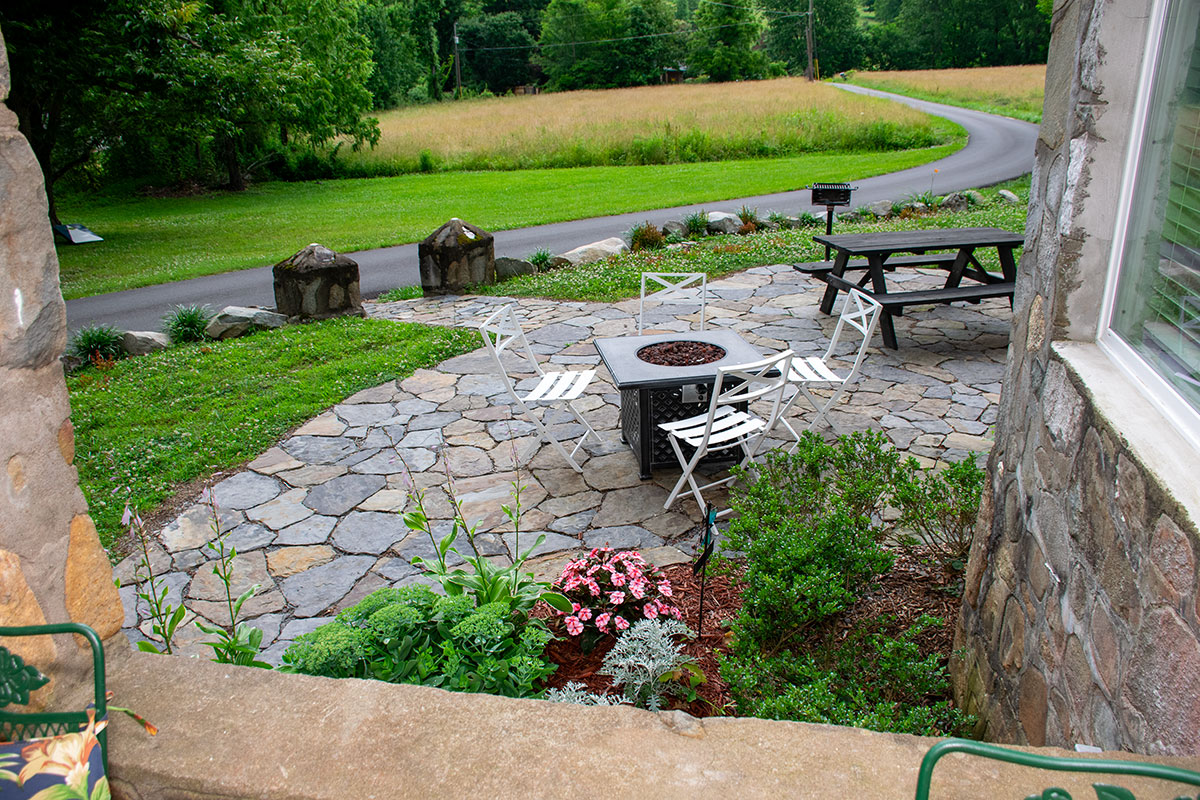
(619, 278)
(150, 424)
(156, 240)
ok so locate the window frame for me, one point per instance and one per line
(1165, 398)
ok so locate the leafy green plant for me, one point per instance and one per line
(780, 219)
(646, 236)
(940, 507)
(401, 293)
(411, 635)
(238, 642)
(97, 343)
(696, 224)
(540, 259)
(647, 662)
(165, 617)
(486, 582)
(576, 692)
(187, 323)
(931, 200)
(807, 219)
(749, 216)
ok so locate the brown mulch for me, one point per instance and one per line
(910, 589)
(681, 354)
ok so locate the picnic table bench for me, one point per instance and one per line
(952, 249)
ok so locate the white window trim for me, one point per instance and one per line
(1165, 398)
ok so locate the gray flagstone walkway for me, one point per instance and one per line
(315, 520)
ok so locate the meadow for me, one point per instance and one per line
(1010, 91)
(643, 125)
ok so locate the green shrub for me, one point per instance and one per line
(411, 635)
(97, 343)
(646, 236)
(749, 216)
(401, 293)
(696, 223)
(540, 259)
(939, 508)
(187, 323)
(868, 680)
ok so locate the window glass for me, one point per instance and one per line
(1157, 310)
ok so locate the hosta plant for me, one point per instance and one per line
(609, 590)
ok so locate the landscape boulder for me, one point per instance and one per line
(234, 321)
(317, 283)
(455, 256)
(954, 202)
(674, 228)
(975, 197)
(512, 267)
(1008, 197)
(881, 208)
(723, 222)
(139, 343)
(590, 253)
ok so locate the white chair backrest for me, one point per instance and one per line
(745, 383)
(501, 330)
(674, 288)
(861, 313)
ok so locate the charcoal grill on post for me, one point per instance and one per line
(830, 195)
(652, 394)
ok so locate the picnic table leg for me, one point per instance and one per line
(839, 269)
(958, 267)
(1007, 264)
(879, 288)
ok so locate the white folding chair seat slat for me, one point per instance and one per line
(502, 331)
(724, 426)
(861, 314)
(674, 288)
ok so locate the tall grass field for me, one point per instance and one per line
(644, 125)
(1011, 91)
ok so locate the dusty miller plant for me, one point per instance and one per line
(576, 692)
(646, 661)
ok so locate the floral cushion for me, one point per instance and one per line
(65, 767)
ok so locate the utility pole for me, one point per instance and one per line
(808, 40)
(458, 65)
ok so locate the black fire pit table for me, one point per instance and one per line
(652, 394)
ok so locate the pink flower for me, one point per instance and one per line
(618, 579)
(620, 622)
(616, 598)
(572, 582)
(650, 611)
(637, 589)
(593, 587)
(664, 588)
(575, 608)
(676, 613)
(602, 620)
(585, 613)
(574, 626)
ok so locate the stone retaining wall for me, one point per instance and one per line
(1079, 622)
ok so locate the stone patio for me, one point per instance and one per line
(315, 520)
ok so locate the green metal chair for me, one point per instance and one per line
(18, 680)
(1058, 763)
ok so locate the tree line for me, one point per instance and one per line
(209, 91)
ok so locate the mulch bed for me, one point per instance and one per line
(911, 589)
(681, 354)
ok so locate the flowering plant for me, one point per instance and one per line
(610, 590)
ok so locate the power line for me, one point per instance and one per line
(764, 10)
(684, 32)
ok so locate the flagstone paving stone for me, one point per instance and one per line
(315, 517)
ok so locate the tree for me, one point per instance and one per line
(398, 68)
(597, 44)
(839, 43)
(723, 41)
(496, 49)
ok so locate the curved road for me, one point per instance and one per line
(998, 149)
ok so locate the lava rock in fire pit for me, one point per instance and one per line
(681, 354)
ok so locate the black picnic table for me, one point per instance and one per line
(876, 254)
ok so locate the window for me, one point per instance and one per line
(1156, 308)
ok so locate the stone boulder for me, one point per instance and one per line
(234, 321)
(512, 267)
(455, 256)
(723, 222)
(881, 208)
(317, 283)
(139, 343)
(1008, 197)
(954, 202)
(591, 253)
(674, 228)
(975, 197)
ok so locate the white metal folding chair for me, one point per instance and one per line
(500, 331)
(725, 427)
(861, 314)
(674, 288)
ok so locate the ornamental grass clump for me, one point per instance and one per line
(97, 344)
(646, 236)
(187, 323)
(609, 590)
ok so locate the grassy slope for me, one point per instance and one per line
(1010, 91)
(150, 241)
(152, 423)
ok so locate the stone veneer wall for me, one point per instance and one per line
(52, 567)
(1079, 623)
